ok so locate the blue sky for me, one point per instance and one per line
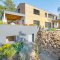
(48, 5)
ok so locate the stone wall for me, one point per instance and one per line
(49, 41)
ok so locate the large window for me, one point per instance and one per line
(11, 38)
(47, 24)
(36, 22)
(37, 12)
(50, 16)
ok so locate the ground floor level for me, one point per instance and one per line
(13, 33)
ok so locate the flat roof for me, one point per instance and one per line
(14, 13)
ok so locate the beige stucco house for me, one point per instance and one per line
(29, 15)
(35, 15)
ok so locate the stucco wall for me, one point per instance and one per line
(30, 16)
(10, 30)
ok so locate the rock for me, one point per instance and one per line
(47, 40)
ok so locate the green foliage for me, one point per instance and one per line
(18, 46)
(1, 22)
(1, 7)
(9, 50)
(52, 29)
(8, 5)
(1, 14)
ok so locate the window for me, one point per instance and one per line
(37, 22)
(50, 16)
(55, 25)
(11, 38)
(37, 12)
(48, 24)
(18, 10)
(56, 17)
(45, 14)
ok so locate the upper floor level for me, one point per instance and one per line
(33, 11)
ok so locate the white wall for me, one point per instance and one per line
(12, 30)
(30, 38)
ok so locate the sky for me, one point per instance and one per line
(48, 5)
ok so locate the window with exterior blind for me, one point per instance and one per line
(50, 16)
(47, 24)
(37, 12)
(36, 22)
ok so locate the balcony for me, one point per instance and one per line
(13, 18)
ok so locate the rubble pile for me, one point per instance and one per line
(49, 41)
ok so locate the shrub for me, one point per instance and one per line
(52, 29)
(1, 22)
(9, 50)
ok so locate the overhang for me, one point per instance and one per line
(56, 20)
(13, 15)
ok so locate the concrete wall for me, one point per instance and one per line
(13, 30)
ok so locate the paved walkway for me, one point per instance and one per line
(46, 56)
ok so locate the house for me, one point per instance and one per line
(23, 23)
(36, 16)
(29, 15)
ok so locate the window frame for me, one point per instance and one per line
(37, 22)
(35, 11)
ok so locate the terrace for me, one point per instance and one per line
(13, 18)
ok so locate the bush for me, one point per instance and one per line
(9, 50)
(1, 22)
(52, 29)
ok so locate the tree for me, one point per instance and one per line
(1, 7)
(8, 5)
